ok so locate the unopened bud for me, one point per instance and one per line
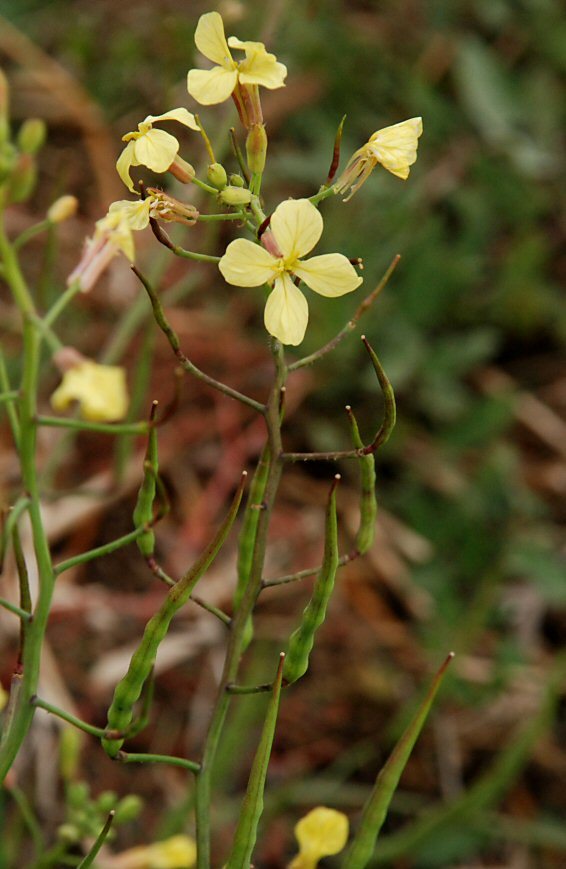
(69, 749)
(8, 159)
(32, 135)
(128, 809)
(236, 181)
(216, 175)
(182, 170)
(256, 148)
(23, 179)
(63, 208)
(235, 196)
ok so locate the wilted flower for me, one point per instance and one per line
(112, 235)
(394, 147)
(100, 390)
(155, 149)
(215, 85)
(321, 833)
(295, 228)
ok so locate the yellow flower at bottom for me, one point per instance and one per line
(295, 228)
(178, 852)
(394, 147)
(100, 391)
(321, 833)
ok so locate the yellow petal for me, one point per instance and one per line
(210, 39)
(260, 67)
(156, 149)
(124, 163)
(99, 389)
(396, 147)
(246, 264)
(286, 312)
(183, 116)
(136, 214)
(297, 226)
(211, 86)
(330, 274)
(322, 833)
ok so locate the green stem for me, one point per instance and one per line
(322, 194)
(61, 303)
(22, 714)
(131, 428)
(10, 410)
(206, 218)
(30, 233)
(16, 610)
(126, 757)
(100, 732)
(241, 616)
(5, 397)
(105, 549)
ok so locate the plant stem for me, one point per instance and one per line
(241, 616)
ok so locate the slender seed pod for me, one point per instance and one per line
(390, 414)
(368, 501)
(129, 689)
(143, 512)
(246, 542)
(302, 640)
(252, 808)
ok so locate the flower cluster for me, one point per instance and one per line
(274, 256)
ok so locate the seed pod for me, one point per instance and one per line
(128, 690)
(143, 512)
(246, 541)
(368, 501)
(235, 196)
(216, 175)
(256, 148)
(302, 640)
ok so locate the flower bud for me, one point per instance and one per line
(128, 809)
(182, 170)
(32, 135)
(216, 175)
(23, 178)
(235, 196)
(63, 208)
(236, 181)
(8, 159)
(69, 749)
(4, 109)
(256, 148)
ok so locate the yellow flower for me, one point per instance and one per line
(178, 852)
(155, 149)
(215, 85)
(394, 147)
(99, 389)
(295, 228)
(321, 833)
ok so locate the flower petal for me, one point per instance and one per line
(136, 214)
(261, 67)
(322, 832)
(246, 264)
(211, 86)
(125, 161)
(330, 274)
(297, 226)
(210, 39)
(100, 390)
(156, 149)
(286, 312)
(183, 116)
(396, 147)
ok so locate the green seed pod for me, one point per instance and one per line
(368, 501)
(246, 541)
(128, 690)
(143, 512)
(32, 135)
(236, 181)
(216, 175)
(302, 640)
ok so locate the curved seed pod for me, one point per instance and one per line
(128, 690)
(368, 501)
(246, 831)
(390, 414)
(302, 640)
(247, 538)
(143, 511)
(375, 810)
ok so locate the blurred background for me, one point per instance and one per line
(469, 553)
